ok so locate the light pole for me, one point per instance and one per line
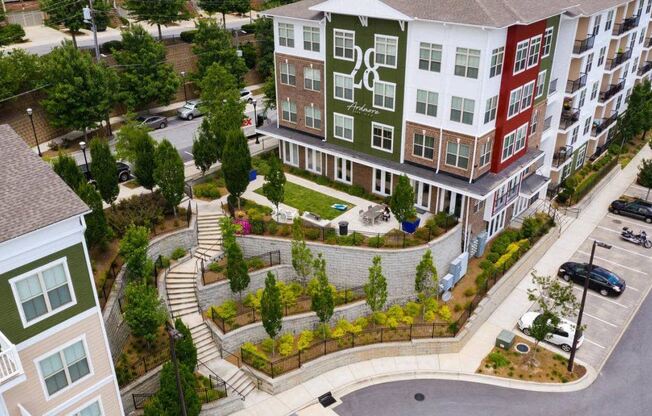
(579, 315)
(174, 336)
(183, 77)
(82, 146)
(254, 102)
(31, 119)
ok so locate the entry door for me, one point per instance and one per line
(459, 203)
(421, 194)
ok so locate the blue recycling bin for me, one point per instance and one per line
(253, 174)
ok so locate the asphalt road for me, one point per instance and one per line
(181, 134)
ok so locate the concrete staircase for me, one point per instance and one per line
(180, 283)
(209, 236)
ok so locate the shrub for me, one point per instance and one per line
(469, 292)
(251, 354)
(249, 28)
(227, 311)
(207, 190)
(396, 312)
(376, 242)
(457, 307)
(323, 331)
(110, 46)
(178, 253)
(444, 220)
(140, 210)
(423, 234)
(312, 233)
(412, 309)
(430, 316)
(491, 257)
(305, 340)
(392, 323)
(256, 263)
(408, 320)
(257, 226)
(249, 54)
(498, 360)
(267, 345)
(286, 344)
(361, 322)
(215, 267)
(272, 227)
(188, 36)
(445, 313)
(380, 318)
(11, 33)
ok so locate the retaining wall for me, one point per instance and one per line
(148, 383)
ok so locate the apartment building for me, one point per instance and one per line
(54, 355)
(473, 100)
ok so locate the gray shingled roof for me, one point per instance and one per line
(32, 196)
(299, 10)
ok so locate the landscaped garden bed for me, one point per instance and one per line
(308, 200)
(216, 271)
(210, 187)
(137, 357)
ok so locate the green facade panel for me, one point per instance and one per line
(546, 63)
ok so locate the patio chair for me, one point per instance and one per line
(289, 216)
(279, 216)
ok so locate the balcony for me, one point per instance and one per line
(645, 68)
(10, 365)
(582, 46)
(569, 116)
(613, 90)
(502, 200)
(574, 85)
(601, 125)
(613, 63)
(562, 156)
(626, 25)
(648, 43)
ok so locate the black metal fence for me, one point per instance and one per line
(214, 391)
(129, 371)
(110, 275)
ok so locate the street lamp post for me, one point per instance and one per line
(254, 102)
(31, 119)
(586, 288)
(183, 76)
(174, 336)
(82, 146)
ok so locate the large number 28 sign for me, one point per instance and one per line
(370, 75)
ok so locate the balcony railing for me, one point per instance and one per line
(648, 43)
(582, 46)
(574, 85)
(626, 25)
(645, 68)
(569, 117)
(10, 364)
(547, 123)
(613, 63)
(601, 125)
(613, 90)
(505, 199)
(562, 156)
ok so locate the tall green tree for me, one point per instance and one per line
(265, 39)
(213, 45)
(66, 167)
(270, 308)
(66, 13)
(144, 311)
(236, 163)
(322, 302)
(645, 175)
(402, 200)
(218, 87)
(79, 93)
(145, 76)
(204, 148)
(102, 14)
(274, 186)
(269, 89)
(376, 287)
(302, 259)
(168, 174)
(217, 6)
(127, 138)
(133, 248)
(236, 269)
(104, 170)
(426, 280)
(97, 231)
(19, 72)
(144, 164)
(158, 12)
(185, 347)
(166, 401)
(636, 119)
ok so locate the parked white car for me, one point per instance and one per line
(246, 95)
(561, 337)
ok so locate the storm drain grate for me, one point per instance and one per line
(522, 348)
(419, 397)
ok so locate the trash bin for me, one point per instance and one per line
(344, 227)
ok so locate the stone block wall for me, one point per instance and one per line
(149, 383)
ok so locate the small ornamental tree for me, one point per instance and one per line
(376, 287)
(168, 174)
(322, 302)
(426, 279)
(65, 13)
(144, 164)
(270, 308)
(645, 175)
(204, 149)
(236, 269)
(104, 170)
(185, 347)
(402, 200)
(541, 327)
(97, 230)
(144, 311)
(133, 248)
(66, 167)
(269, 89)
(302, 259)
(553, 296)
(274, 186)
(236, 163)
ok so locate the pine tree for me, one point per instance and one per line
(236, 163)
(133, 249)
(168, 174)
(104, 170)
(161, 12)
(302, 259)
(166, 401)
(185, 347)
(426, 279)
(144, 311)
(270, 308)
(66, 167)
(376, 288)
(322, 302)
(218, 85)
(274, 186)
(236, 269)
(97, 231)
(204, 148)
(144, 164)
(265, 41)
(402, 200)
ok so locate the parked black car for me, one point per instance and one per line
(124, 171)
(601, 280)
(637, 208)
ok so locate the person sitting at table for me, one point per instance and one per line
(386, 214)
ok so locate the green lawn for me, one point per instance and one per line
(305, 199)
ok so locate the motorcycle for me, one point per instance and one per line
(639, 239)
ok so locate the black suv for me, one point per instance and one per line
(124, 171)
(636, 208)
(601, 280)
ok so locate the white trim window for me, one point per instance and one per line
(427, 103)
(467, 62)
(508, 146)
(587, 125)
(386, 50)
(547, 41)
(521, 135)
(528, 93)
(343, 86)
(485, 153)
(514, 102)
(343, 44)
(343, 127)
(43, 292)
(610, 20)
(497, 57)
(597, 22)
(94, 408)
(533, 52)
(588, 66)
(288, 74)
(382, 182)
(384, 95)
(582, 99)
(343, 170)
(424, 146)
(65, 367)
(490, 109)
(594, 90)
(575, 134)
(462, 110)
(311, 39)
(313, 160)
(312, 117)
(291, 153)
(430, 57)
(382, 137)
(520, 60)
(581, 155)
(566, 171)
(286, 35)
(602, 55)
(541, 83)
(289, 111)
(457, 154)
(312, 79)
(534, 122)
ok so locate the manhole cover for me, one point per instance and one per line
(419, 397)
(616, 221)
(522, 348)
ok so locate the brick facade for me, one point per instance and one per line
(535, 138)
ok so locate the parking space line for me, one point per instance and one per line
(601, 320)
(633, 288)
(579, 289)
(612, 262)
(594, 343)
(637, 223)
(608, 229)
(631, 252)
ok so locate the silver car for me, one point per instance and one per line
(246, 95)
(190, 110)
(153, 122)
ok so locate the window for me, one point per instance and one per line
(291, 153)
(311, 38)
(597, 21)
(649, 6)
(286, 35)
(343, 87)
(565, 172)
(382, 137)
(467, 62)
(430, 57)
(478, 205)
(533, 54)
(384, 95)
(64, 367)
(289, 111)
(514, 102)
(508, 145)
(541, 84)
(313, 160)
(635, 66)
(594, 90)
(424, 146)
(462, 110)
(641, 38)
(603, 53)
(288, 74)
(610, 20)
(312, 117)
(427, 103)
(534, 122)
(343, 43)
(547, 41)
(579, 162)
(521, 134)
(521, 56)
(587, 126)
(574, 134)
(589, 63)
(343, 170)
(528, 93)
(485, 154)
(93, 409)
(514, 142)
(582, 99)
(43, 292)
(619, 101)
(343, 127)
(312, 79)
(382, 182)
(490, 109)
(386, 48)
(457, 155)
(497, 57)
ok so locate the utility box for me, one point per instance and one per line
(505, 339)
(482, 243)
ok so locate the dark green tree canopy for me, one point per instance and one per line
(402, 200)
(66, 13)
(236, 269)
(186, 350)
(135, 145)
(218, 87)
(274, 186)
(205, 150)
(236, 163)
(322, 302)
(97, 230)
(265, 39)
(168, 173)
(270, 307)
(19, 72)
(213, 44)
(66, 167)
(104, 170)
(158, 12)
(645, 175)
(166, 401)
(144, 311)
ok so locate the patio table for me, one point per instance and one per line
(373, 213)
